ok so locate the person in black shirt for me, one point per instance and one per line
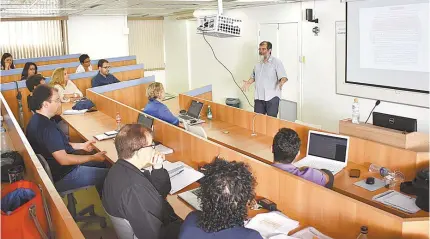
(140, 197)
(31, 83)
(103, 77)
(69, 171)
(29, 69)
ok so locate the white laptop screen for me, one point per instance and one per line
(329, 147)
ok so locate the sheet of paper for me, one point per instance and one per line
(309, 233)
(74, 112)
(272, 224)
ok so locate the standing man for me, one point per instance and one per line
(269, 75)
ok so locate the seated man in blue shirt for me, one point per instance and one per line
(225, 191)
(69, 171)
(103, 77)
(155, 93)
(286, 149)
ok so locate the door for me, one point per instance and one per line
(285, 41)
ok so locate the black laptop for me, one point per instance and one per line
(193, 114)
(147, 122)
(394, 122)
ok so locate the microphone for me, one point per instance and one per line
(376, 104)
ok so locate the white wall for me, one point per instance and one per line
(98, 36)
(321, 105)
(175, 42)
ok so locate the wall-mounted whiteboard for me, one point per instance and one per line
(384, 60)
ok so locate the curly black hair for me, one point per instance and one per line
(225, 191)
(286, 145)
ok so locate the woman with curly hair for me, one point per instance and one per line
(225, 193)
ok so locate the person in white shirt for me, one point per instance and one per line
(66, 88)
(85, 64)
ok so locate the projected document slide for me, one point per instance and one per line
(388, 44)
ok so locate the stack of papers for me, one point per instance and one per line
(397, 200)
(181, 175)
(74, 112)
(272, 225)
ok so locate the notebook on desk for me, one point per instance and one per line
(325, 151)
(191, 198)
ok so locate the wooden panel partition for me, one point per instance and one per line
(64, 225)
(361, 151)
(133, 96)
(70, 70)
(82, 83)
(332, 213)
(51, 62)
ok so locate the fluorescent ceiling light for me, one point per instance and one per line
(37, 9)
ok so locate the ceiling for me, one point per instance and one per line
(140, 8)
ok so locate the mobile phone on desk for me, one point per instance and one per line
(101, 137)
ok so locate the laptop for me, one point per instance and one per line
(394, 122)
(325, 151)
(191, 198)
(147, 122)
(191, 117)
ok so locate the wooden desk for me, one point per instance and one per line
(345, 185)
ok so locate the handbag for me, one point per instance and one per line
(25, 212)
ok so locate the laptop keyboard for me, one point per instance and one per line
(186, 117)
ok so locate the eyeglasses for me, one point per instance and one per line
(151, 145)
(57, 100)
(106, 67)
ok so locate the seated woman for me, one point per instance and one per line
(66, 88)
(155, 93)
(29, 69)
(225, 192)
(7, 62)
(85, 65)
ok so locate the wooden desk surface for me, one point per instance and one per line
(260, 147)
(238, 139)
(345, 185)
(98, 123)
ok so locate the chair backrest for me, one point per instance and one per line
(196, 129)
(122, 227)
(45, 166)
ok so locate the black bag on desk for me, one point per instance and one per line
(419, 187)
(8, 161)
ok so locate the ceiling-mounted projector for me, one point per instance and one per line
(218, 25)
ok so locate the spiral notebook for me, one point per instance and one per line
(397, 200)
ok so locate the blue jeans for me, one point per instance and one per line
(87, 174)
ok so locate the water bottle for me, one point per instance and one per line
(118, 121)
(209, 115)
(355, 112)
(363, 233)
(378, 169)
(4, 145)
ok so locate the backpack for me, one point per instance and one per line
(9, 160)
